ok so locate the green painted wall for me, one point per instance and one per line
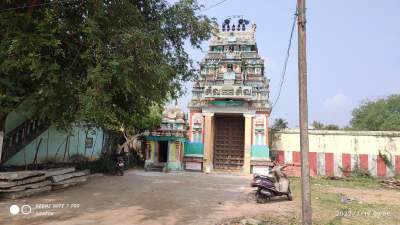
(53, 143)
(227, 103)
(175, 166)
(53, 146)
(194, 149)
(163, 138)
(260, 152)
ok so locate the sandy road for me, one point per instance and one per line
(147, 198)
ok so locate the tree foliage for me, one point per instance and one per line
(280, 124)
(331, 127)
(104, 63)
(320, 126)
(383, 114)
(317, 125)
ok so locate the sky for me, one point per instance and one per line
(353, 53)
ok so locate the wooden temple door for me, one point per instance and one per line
(229, 142)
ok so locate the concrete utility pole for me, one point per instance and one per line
(303, 108)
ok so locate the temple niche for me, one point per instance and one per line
(228, 114)
(197, 128)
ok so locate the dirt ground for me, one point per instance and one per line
(196, 198)
(147, 198)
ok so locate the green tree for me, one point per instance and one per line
(280, 124)
(317, 125)
(320, 126)
(331, 127)
(100, 63)
(383, 114)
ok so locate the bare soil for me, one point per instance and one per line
(149, 198)
(197, 198)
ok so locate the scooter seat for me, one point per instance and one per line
(266, 177)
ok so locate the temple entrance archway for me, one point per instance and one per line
(229, 142)
(163, 151)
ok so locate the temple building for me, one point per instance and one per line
(164, 146)
(228, 113)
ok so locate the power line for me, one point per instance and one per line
(59, 1)
(286, 61)
(29, 6)
(212, 6)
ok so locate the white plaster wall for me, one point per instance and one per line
(352, 142)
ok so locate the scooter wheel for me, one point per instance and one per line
(260, 198)
(289, 195)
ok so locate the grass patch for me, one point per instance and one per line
(397, 176)
(334, 208)
(329, 208)
(348, 182)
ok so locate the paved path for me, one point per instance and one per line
(147, 198)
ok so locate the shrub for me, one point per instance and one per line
(104, 164)
(51, 160)
(78, 158)
(356, 172)
(360, 172)
(385, 159)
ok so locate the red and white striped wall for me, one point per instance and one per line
(330, 164)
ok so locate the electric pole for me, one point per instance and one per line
(303, 108)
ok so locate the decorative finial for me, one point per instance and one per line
(234, 23)
(254, 27)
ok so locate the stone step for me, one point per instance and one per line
(26, 193)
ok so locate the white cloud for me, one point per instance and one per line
(337, 101)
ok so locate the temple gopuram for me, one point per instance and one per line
(228, 113)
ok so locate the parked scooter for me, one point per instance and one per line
(120, 166)
(275, 183)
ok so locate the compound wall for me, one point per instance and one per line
(337, 152)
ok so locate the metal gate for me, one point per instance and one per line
(229, 142)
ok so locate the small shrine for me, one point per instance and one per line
(164, 146)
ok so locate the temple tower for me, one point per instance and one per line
(228, 113)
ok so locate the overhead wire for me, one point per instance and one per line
(283, 74)
(33, 5)
(212, 6)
